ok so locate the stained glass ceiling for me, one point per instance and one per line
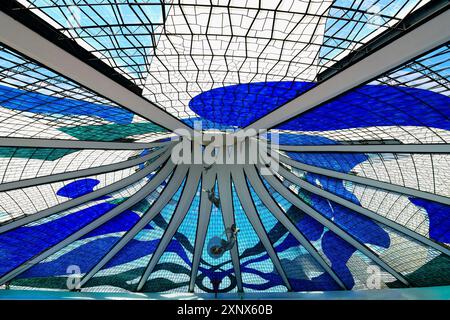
(175, 50)
(389, 108)
(88, 187)
(38, 103)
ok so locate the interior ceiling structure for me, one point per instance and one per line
(355, 95)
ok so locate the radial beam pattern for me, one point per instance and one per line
(352, 193)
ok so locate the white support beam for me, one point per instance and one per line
(208, 182)
(188, 194)
(420, 40)
(365, 212)
(246, 201)
(75, 144)
(30, 43)
(269, 202)
(369, 148)
(88, 197)
(226, 206)
(296, 201)
(366, 181)
(25, 183)
(131, 201)
(170, 189)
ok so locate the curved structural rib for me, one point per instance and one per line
(155, 209)
(244, 196)
(290, 196)
(188, 194)
(33, 45)
(76, 144)
(226, 206)
(87, 197)
(255, 181)
(25, 183)
(366, 181)
(131, 201)
(366, 212)
(370, 148)
(423, 38)
(208, 181)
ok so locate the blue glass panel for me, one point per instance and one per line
(241, 104)
(21, 100)
(377, 105)
(367, 106)
(129, 263)
(362, 228)
(23, 243)
(79, 188)
(120, 33)
(342, 162)
(439, 217)
(338, 252)
(89, 249)
(350, 22)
